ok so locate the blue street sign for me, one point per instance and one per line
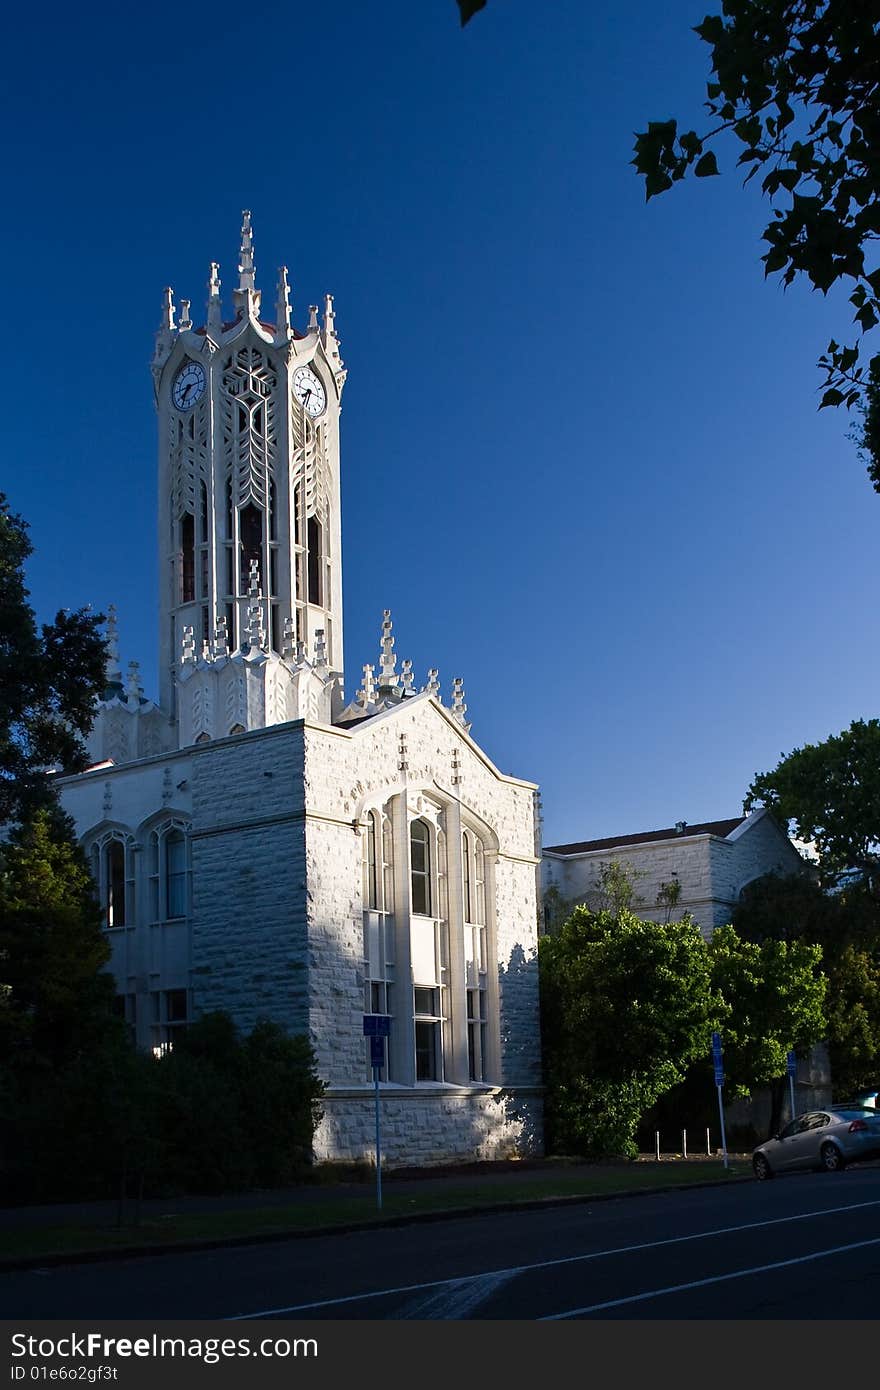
(791, 1064)
(377, 1025)
(717, 1059)
(377, 1051)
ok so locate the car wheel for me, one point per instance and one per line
(832, 1158)
(761, 1168)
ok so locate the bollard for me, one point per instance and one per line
(657, 1144)
(708, 1144)
(684, 1143)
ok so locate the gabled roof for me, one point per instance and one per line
(721, 828)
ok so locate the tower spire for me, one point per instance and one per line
(112, 668)
(282, 307)
(215, 310)
(246, 255)
(247, 297)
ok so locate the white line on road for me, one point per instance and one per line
(701, 1283)
(514, 1270)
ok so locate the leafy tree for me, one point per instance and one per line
(788, 907)
(774, 995)
(48, 683)
(615, 888)
(797, 84)
(57, 1000)
(830, 792)
(625, 1005)
(854, 1020)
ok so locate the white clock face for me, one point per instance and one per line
(189, 385)
(309, 392)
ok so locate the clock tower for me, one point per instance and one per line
(250, 566)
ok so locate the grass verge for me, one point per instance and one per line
(334, 1211)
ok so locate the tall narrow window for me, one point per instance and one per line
(314, 547)
(115, 870)
(420, 867)
(466, 877)
(188, 558)
(175, 875)
(203, 498)
(371, 887)
(250, 521)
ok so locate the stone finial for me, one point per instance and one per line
(215, 308)
(254, 580)
(112, 668)
(282, 306)
(299, 656)
(388, 677)
(366, 696)
(135, 690)
(459, 708)
(221, 638)
(433, 683)
(406, 678)
(185, 320)
(313, 318)
(288, 639)
(166, 324)
(320, 648)
(187, 646)
(330, 336)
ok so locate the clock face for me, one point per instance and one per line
(309, 392)
(189, 385)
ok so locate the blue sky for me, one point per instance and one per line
(582, 460)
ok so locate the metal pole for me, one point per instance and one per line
(708, 1144)
(657, 1143)
(791, 1093)
(378, 1149)
(723, 1135)
(684, 1143)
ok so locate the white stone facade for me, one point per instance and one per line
(711, 863)
(260, 845)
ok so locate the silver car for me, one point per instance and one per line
(825, 1139)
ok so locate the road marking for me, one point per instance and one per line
(515, 1270)
(701, 1283)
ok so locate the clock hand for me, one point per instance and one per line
(186, 390)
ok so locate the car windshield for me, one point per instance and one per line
(856, 1112)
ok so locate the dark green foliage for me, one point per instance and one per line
(48, 683)
(56, 1002)
(625, 1006)
(846, 924)
(830, 792)
(237, 1112)
(219, 1113)
(797, 84)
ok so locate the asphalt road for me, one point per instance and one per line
(801, 1247)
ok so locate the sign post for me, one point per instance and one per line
(791, 1068)
(377, 1027)
(718, 1063)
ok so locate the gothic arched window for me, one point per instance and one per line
(113, 872)
(169, 872)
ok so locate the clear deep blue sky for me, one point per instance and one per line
(582, 461)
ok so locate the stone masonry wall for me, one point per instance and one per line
(422, 1127)
(249, 878)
